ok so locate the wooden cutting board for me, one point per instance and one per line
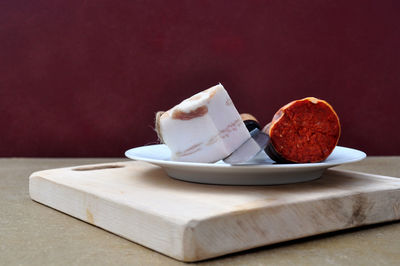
(192, 222)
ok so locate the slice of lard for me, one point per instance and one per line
(203, 128)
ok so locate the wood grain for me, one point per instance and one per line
(192, 222)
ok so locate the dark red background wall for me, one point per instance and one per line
(85, 78)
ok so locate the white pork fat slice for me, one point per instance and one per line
(203, 128)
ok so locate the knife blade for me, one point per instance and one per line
(249, 149)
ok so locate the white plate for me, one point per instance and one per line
(260, 171)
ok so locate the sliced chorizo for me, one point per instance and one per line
(303, 131)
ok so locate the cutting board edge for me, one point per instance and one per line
(360, 174)
(189, 258)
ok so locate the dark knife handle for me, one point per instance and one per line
(250, 121)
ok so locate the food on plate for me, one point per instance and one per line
(203, 128)
(250, 121)
(303, 131)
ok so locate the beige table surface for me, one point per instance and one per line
(33, 234)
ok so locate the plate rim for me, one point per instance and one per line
(164, 163)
